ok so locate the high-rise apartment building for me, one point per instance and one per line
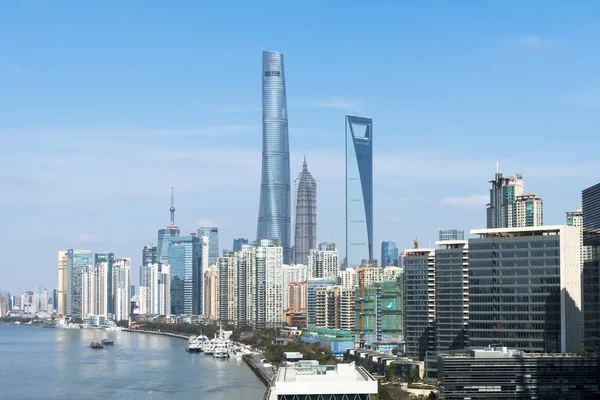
(294, 273)
(164, 235)
(155, 289)
(227, 297)
(183, 258)
(323, 261)
(88, 292)
(313, 285)
(77, 259)
(451, 234)
(103, 266)
(305, 215)
(296, 297)
(525, 288)
(237, 243)
(247, 283)
(359, 190)
(121, 283)
(63, 285)
(389, 254)
(269, 288)
(274, 215)
(419, 302)
(205, 253)
(591, 268)
(451, 295)
(334, 308)
(211, 290)
(349, 277)
(212, 233)
(510, 207)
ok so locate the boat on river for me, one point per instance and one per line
(96, 345)
(107, 342)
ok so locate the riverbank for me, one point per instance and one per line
(157, 333)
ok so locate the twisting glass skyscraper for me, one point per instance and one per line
(305, 221)
(359, 190)
(274, 214)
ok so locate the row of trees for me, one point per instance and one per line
(182, 329)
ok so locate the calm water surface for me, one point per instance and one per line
(43, 363)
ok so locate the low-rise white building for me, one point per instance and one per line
(309, 380)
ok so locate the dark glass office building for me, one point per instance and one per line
(237, 243)
(389, 254)
(186, 281)
(591, 269)
(524, 288)
(510, 374)
(419, 302)
(451, 295)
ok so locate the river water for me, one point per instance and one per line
(44, 363)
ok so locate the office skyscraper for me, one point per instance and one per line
(104, 280)
(591, 268)
(212, 233)
(510, 207)
(525, 288)
(305, 212)
(121, 293)
(186, 289)
(389, 254)
(149, 254)
(359, 190)
(274, 214)
(237, 243)
(164, 234)
(76, 260)
(63, 285)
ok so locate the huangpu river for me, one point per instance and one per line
(58, 364)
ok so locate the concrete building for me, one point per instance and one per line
(308, 380)
(247, 284)
(63, 276)
(297, 297)
(121, 293)
(591, 269)
(88, 291)
(227, 294)
(155, 289)
(334, 308)
(211, 290)
(269, 290)
(510, 206)
(504, 373)
(323, 261)
(103, 286)
(294, 273)
(525, 288)
(349, 277)
(419, 302)
(312, 286)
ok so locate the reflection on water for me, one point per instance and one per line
(60, 364)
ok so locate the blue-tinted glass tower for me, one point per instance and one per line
(237, 243)
(186, 282)
(166, 233)
(389, 254)
(359, 190)
(212, 233)
(274, 214)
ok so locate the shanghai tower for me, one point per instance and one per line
(274, 213)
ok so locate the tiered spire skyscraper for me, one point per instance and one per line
(305, 221)
(170, 231)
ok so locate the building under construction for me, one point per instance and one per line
(380, 315)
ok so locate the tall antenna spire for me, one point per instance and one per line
(497, 167)
(172, 209)
(304, 167)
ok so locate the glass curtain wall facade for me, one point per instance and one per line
(591, 268)
(76, 260)
(359, 190)
(104, 264)
(274, 215)
(212, 233)
(237, 243)
(524, 289)
(305, 221)
(389, 254)
(183, 258)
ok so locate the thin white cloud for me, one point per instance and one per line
(207, 222)
(86, 237)
(474, 201)
(535, 41)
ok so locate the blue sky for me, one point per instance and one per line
(101, 102)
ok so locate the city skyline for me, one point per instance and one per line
(146, 145)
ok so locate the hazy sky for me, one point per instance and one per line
(100, 102)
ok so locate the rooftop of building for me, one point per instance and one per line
(524, 231)
(309, 371)
(502, 352)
